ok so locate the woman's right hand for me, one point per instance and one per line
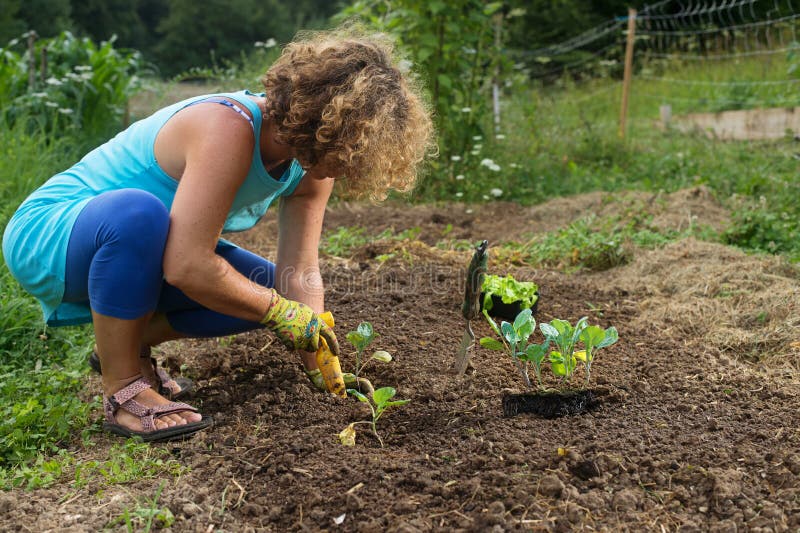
(297, 326)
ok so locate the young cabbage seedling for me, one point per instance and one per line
(565, 337)
(595, 338)
(361, 338)
(514, 339)
(381, 400)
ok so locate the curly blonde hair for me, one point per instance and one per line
(342, 101)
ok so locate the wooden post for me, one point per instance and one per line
(498, 25)
(626, 78)
(666, 115)
(43, 71)
(31, 60)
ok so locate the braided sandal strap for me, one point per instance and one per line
(167, 382)
(123, 399)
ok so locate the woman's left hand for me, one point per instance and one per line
(297, 325)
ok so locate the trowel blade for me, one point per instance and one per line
(462, 357)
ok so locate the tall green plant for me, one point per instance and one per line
(85, 86)
(451, 44)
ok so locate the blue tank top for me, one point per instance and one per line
(36, 238)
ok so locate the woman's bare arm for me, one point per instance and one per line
(217, 147)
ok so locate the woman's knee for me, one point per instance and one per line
(139, 213)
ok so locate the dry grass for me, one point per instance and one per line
(720, 298)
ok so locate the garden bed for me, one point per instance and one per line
(681, 438)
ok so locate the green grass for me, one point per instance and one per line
(344, 240)
(563, 140)
(41, 371)
(127, 462)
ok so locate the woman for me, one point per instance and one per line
(129, 237)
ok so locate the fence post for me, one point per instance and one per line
(43, 72)
(626, 78)
(31, 60)
(498, 28)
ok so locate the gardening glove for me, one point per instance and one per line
(297, 326)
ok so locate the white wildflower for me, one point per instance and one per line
(51, 104)
(39, 95)
(475, 152)
(466, 110)
(460, 177)
(477, 138)
(53, 81)
(459, 194)
(497, 193)
(491, 165)
(270, 43)
(485, 197)
(455, 158)
(499, 136)
(83, 68)
(65, 110)
(468, 211)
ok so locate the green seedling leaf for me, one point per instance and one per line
(579, 327)
(492, 323)
(524, 325)
(361, 397)
(382, 356)
(356, 339)
(487, 302)
(549, 331)
(508, 333)
(592, 336)
(563, 327)
(557, 364)
(610, 337)
(383, 395)
(366, 331)
(492, 344)
(395, 403)
(537, 352)
(523, 318)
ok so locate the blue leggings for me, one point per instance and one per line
(114, 262)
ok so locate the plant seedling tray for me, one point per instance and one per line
(550, 404)
(507, 311)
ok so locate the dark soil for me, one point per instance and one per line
(681, 440)
(550, 404)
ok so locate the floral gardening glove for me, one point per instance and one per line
(297, 326)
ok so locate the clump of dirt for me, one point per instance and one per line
(719, 299)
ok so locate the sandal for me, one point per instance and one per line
(123, 399)
(172, 388)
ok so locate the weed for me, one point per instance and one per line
(145, 515)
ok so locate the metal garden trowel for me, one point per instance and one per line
(471, 308)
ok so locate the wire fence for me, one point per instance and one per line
(693, 56)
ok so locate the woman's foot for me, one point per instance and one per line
(148, 398)
(173, 388)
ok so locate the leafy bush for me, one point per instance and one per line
(451, 43)
(765, 230)
(86, 87)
